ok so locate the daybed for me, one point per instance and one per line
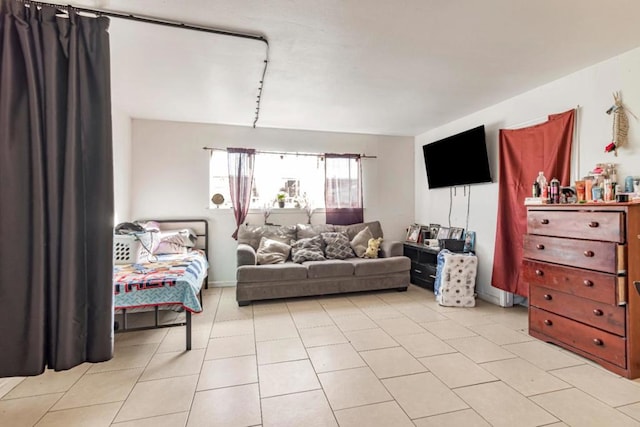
(169, 278)
(315, 276)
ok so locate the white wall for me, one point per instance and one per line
(169, 177)
(591, 89)
(121, 127)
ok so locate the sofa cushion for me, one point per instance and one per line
(369, 267)
(307, 230)
(360, 242)
(251, 234)
(309, 249)
(353, 229)
(328, 268)
(272, 251)
(337, 246)
(271, 272)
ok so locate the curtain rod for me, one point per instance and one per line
(172, 24)
(286, 153)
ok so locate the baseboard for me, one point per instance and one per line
(222, 283)
(489, 298)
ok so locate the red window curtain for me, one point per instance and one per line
(523, 153)
(241, 165)
(343, 189)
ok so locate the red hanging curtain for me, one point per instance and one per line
(523, 153)
(343, 189)
(240, 162)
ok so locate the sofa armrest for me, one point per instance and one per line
(390, 248)
(246, 255)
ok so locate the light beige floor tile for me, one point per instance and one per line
(466, 418)
(308, 319)
(370, 339)
(448, 329)
(424, 314)
(220, 348)
(469, 317)
(631, 410)
(233, 312)
(228, 372)
(525, 377)
(231, 406)
(335, 357)
(26, 411)
(500, 405)
(480, 349)
(158, 397)
(48, 382)
(307, 409)
(456, 370)
(304, 304)
(367, 300)
(273, 306)
(382, 311)
(232, 328)
(577, 408)
(287, 377)
(283, 350)
(322, 335)
(104, 387)
(545, 356)
(422, 395)
(355, 322)
(275, 329)
(353, 387)
(151, 336)
(176, 364)
(604, 385)
(515, 317)
(176, 339)
(94, 416)
(172, 420)
(377, 415)
(8, 384)
(424, 344)
(399, 326)
(127, 357)
(392, 362)
(500, 334)
(342, 310)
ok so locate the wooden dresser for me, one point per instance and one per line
(582, 263)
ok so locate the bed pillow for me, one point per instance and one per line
(174, 241)
(309, 249)
(360, 242)
(337, 246)
(272, 251)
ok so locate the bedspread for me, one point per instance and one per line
(173, 280)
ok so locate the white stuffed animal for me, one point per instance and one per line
(373, 248)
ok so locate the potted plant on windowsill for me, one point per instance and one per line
(280, 198)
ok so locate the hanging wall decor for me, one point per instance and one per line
(620, 124)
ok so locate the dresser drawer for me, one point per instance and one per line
(583, 283)
(590, 340)
(605, 226)
(611, 318)
(423, 271)
(600, 256)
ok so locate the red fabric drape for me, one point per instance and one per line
(241, 163)
(523, 153)
(343, 189)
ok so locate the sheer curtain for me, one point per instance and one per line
(56, 190)
(343, 189)
(241, 166)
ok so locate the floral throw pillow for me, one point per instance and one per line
(308, 249)
(337, 246)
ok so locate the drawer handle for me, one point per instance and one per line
(417, 271)
(432, 276)
(548, 297)
(594, 224)
(588, 283)
(544, 221)
(548, 322)
(598, 312)
(539, 273)
(588, 254)
(598, 341)
(540, 246)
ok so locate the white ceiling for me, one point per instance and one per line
(368, 66)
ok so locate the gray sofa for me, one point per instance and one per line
(262, 282)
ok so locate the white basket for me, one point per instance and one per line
(125, 249)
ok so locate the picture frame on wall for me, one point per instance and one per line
(443, 233)
(456, 233)
(469, 241)
(413, 233)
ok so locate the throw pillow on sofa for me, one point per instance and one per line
(337, 246)
(272, 252)
(360, 242)
(308, 249)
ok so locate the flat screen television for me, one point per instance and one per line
(459, 159)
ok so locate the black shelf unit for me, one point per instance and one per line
(424, 264)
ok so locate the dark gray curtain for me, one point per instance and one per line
(343, 189)
(56, 190)
(241, 161)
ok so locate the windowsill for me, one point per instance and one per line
(285, 210)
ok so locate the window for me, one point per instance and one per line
(300, 178)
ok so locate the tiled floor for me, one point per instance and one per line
(374, 359)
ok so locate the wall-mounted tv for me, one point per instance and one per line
(459, 159)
